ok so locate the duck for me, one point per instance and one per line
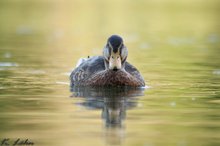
(110, 69)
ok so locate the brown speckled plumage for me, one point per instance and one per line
(113, 78)
(93, 73)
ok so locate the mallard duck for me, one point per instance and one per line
(111, 69)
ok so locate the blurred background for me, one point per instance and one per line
(174, 44)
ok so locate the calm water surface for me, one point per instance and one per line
(175, 45)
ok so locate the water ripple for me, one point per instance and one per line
(8, 64)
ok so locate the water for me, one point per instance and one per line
(175, 45)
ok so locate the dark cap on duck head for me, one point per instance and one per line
(115, 42)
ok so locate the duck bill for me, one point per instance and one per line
(115, 62)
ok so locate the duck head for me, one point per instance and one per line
(115, 53)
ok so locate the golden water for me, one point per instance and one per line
(174, 44)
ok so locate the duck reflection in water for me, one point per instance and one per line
(114, 101)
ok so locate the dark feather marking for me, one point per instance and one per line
(115, 42)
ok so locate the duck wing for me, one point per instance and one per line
(134, 72)
(86, 69)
